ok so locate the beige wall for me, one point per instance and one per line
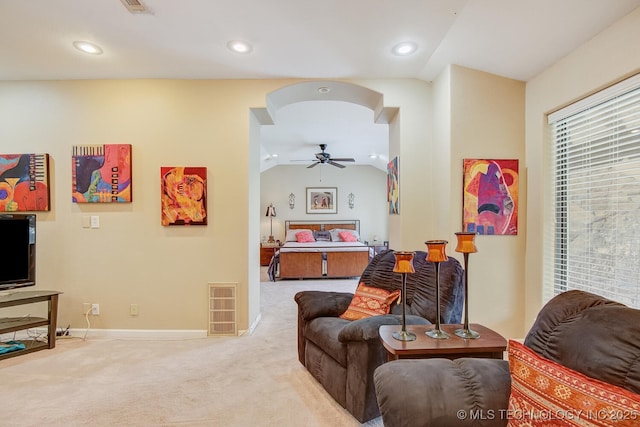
(481, 115)
(604, 60)
(132, 259)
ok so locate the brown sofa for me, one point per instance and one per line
(581, 331)
(342, 354)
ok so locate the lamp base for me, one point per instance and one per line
(467, 333)
(271, 240)
(437, 334)
(404, 336)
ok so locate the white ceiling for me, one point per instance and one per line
(330, 39)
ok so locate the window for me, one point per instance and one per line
(593, 241)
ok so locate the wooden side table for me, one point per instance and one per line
(490, 345)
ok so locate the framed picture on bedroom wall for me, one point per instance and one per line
(322, 200)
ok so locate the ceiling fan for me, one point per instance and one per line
(324, 157)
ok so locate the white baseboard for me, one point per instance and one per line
(140, 334)
(133, 334)
(252, 327)
(121, 334)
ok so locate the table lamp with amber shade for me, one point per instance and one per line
(466, 246)
(436, 254)
(404, 266)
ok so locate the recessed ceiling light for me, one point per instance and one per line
(373, 156)
(324, 89)
(87, 47)
(238, 46)
(404, 48)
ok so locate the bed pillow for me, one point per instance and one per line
(545, 393)
(335, 234)
(304, 237)
(291, 234)
(347, 236)
(369, 301)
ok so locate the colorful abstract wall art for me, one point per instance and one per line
(101, 173)
(184, 195)
(24, 182)
(490, 200)
(393, 195)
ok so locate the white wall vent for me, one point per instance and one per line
(134, 6)
(222, 309)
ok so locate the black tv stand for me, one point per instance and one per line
(13, 324)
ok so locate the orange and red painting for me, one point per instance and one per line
(490, 201)
(184, 195)
(24, 182)
(101, 173)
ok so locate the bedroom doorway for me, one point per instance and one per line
(309, 95)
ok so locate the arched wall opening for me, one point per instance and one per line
(284, 97)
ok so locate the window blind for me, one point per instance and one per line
(595, 242)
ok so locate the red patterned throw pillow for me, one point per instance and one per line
(369, 301)
(545, 393)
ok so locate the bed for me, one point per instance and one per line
(328, 256)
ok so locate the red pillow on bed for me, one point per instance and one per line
(347, 236)
(304, 237)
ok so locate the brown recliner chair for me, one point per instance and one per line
(342, 354)
(584, 332)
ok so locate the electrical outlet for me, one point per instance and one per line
(133, 310)
(95, 309)
(86, 307)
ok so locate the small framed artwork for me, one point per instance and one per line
(101, 173)
(490, 196)
(184, 195)
(322, 200)
(24, 182)
(393, 189)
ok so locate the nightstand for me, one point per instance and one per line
(376, 247)
(266, 253)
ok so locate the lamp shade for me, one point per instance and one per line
(271, 210)
(404, 262)
(436, 250)
(466, 244)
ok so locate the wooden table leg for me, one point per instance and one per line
(53, 320)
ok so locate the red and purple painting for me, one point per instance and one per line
(184, 195)
(101, 173)
(490, 201)
(24, 182)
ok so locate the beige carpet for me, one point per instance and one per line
(245, 381)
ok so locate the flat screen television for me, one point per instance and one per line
(17, 250)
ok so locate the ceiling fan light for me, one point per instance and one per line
(404, 48)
